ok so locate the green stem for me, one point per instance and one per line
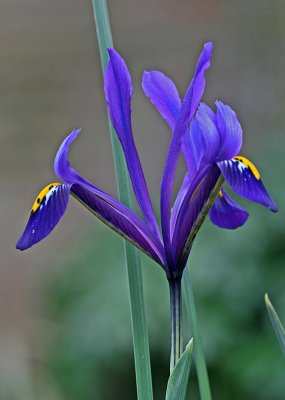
(176, 321)
(204, 385)
(139, 328)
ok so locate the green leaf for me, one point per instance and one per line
(276, 323)
(178, 380)
(199, 357)
(139, 328)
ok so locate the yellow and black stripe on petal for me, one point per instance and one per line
(47, 210)
(244, 178)
(42, 196)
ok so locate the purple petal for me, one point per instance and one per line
(196, 154)
(188, 108)
(244, 179)
(226, 213)
(193, 148)
(230, 131)
(45, 215)
(62, 167)
(207, 121)
(118, 90)
(120, 219)
(194, 201)
(113, 207)
(179, 200)
(163, 94)
(52, 202)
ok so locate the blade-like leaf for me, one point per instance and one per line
(199, 357)
(178, 380)
(276, 323)
(140, 334)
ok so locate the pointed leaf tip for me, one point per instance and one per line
(190, 345)
(276, 323)
(178, 380)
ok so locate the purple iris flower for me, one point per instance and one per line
(210, 143)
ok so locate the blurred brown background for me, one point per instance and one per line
(51, 82)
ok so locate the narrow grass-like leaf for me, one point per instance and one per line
(139, 328)
(199, 358)
(178, 380)
(276, 323)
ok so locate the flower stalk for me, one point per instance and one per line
(176, 321)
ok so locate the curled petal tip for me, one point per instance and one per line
(71, 137)
(75, 132)
(61, 163)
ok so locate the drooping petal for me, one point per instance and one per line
(47, 210)
(244, 179)
(230, 131)
(120, 219)
(64, 171)
(52, 202)
(113, 208)
(163, 94)
(226, 213)
(118, 91)
(188, 108)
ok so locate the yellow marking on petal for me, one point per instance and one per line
(249, 165)
(220, 193)
(41, 196)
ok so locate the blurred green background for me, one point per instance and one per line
(64, 315)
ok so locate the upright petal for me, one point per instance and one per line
(118, 91)
(230, 131)
(47, 210)
(163, 94)
(226, 213)
(182, 192)
(207, 121)
(188, 108)
(244, 179)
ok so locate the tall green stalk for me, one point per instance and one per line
(139, 329)
(204, 385)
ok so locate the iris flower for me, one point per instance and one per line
(210, 142)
